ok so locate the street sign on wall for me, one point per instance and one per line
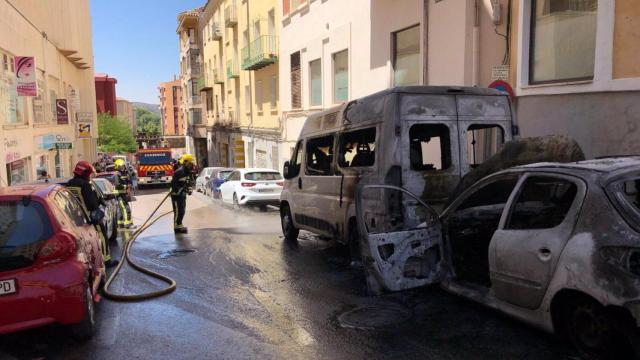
(62, 111)
(64, 146)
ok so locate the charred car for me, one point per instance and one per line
(556, 245)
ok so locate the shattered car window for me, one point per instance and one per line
(389, 210)
(542, 204)
(626, 198)
(320, 156)
(483, 141)
(357, 148)
(429, 147)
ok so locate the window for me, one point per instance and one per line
(357, 148)
(296, 84)
(272, 22)
(315, 83)
(341, 76)
(235, 176)
(52, 102)
(563, 40)
(247, 99)
(273, 92)
(192, 36)
(406, 57)
(626, 198)
(319, 156)
(259, 95)
(429, 148)
(495, 193)
(72, 207)
(483, 141)
(22, 225)
(263, 176)
(296, 161)
(542, 203)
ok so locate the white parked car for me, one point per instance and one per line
(203, 177)
(259, 187)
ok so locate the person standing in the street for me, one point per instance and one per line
(181, 184)
(81, 186)
(124, 181)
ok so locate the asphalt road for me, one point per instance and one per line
(243, 292)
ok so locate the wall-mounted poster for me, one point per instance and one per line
(26, 75)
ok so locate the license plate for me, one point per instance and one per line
(264, 190)
(7, 287)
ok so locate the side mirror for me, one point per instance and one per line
(285, 170)
(97, 216)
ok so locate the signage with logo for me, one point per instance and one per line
(84, 130)
(12, 148)
(45, 142)
(62, 111)
(25, 67)
(84, 116)
(64, 146)
(500, 72)
(74, 98)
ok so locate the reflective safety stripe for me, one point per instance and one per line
(106, 254)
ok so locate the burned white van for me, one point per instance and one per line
(422, 138)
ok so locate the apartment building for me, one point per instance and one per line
(334, 51)
(577, 72)
(170, 111)
(190, 73)
(125, 111)
(41, 132)
(240, 55)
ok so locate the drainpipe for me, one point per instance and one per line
(425, 43)
(250, 83)
(476, 44)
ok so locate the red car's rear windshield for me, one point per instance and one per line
(21, 227)
(625, 195)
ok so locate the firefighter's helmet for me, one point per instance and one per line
(119, 162)
(186, 159)
(84, 169)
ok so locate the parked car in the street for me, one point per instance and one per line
(111, 209)
(554, 245)
(115, 181)
(51, 263)
(425, 138)
(252, 187)
(202, 178)
(217, 178)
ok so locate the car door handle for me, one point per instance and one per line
(544, 254)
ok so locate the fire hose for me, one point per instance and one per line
(125, 257)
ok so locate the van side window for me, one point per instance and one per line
(358, 148)
(430, 147)
(319, 156)
(296, 161)
(483, 141)
(543, 203)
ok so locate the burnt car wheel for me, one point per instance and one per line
(590, 330)
(85, 329)
(288, 228)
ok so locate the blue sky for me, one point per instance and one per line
(135, 41)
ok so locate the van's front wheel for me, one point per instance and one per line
(288, 228)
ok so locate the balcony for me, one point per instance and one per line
(232, 69)
(196, 100)
(217, 76)
(204, 83)
(261, 52)
(231, 15)
(217, 31)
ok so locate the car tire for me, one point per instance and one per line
(85, 329)
(289, 230)
(590, 330)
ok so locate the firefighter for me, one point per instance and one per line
(181, 184)
(81, 186)
(124, 182)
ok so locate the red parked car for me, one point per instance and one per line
(51, 264)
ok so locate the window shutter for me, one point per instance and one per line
(296, 81)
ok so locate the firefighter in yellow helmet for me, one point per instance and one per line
(181, 185)
(124, 182)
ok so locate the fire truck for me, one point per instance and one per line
(154, 166)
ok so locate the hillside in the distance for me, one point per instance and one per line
(154, 108)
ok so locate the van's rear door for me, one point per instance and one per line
(400, 239)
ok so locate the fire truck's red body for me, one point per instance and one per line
(154, 166)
